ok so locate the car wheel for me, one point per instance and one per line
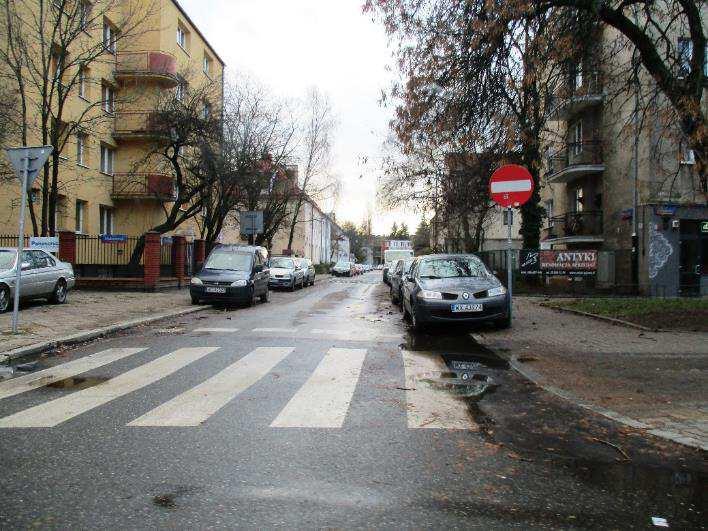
(4, 299)
(266, 296)
(252, 298)
(503, 323)
(394, 300)
(293, 286)
(416, 325)
(59, 293)
(195, 300)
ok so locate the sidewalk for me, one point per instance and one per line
(654, 381)
(85, 311)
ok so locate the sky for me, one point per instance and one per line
(291, 46)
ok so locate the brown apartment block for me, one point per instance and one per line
(102, 188)
(588, 186)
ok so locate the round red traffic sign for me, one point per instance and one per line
(511, 186)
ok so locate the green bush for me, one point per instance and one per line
(323, 269)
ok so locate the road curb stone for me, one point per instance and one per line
(536, 378)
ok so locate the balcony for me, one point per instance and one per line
(159, 66)
(575, 160)
(576, 96)
(575, 227)
(138, 125)
(158, 186)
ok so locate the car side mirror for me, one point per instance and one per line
(26, 266)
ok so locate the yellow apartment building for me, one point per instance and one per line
(105, 186)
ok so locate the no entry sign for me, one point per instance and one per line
(511, 186)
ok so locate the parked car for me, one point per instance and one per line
(396, 280)
(386, 268)
(342, 269)
(285, 272)
(232, 274)
(309, 271)
(453, 288)
(43, 277)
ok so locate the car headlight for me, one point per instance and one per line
(496, 292)
(425, 294)
(196, 281)
(239, 284)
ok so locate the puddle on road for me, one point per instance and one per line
(459, 350)
(78, 382)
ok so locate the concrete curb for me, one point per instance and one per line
(88, 335)
(536, 378)
(611, 320)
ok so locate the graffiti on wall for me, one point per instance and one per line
(659, 251)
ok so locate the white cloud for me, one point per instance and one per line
(293, 45)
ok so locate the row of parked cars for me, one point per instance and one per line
(448, 288)
(239, 274)
(345, 268)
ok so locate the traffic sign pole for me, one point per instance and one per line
(20, 244)
(509, 276)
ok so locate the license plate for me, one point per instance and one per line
(216, 290)
(462, 308)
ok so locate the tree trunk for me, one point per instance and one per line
(291, 236)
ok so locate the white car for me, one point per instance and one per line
(285, 272)
(43, 277)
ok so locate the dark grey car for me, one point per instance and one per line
(396, 280)
(453, 288)
(232, 274)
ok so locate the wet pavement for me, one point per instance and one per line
(319, 409)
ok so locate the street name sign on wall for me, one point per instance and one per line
(511, 186)
(251, 223)
(49, 244)
(114, 238)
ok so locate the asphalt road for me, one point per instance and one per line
(319, 409)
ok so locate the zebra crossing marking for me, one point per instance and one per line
(276, 330)
(65, 370)
(426, 406)
(195, 406)
(53, 413)
(323, 401)
(217, 330)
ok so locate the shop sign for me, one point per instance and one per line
(558, 263)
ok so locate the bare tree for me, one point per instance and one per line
(47, 47)
(316, 178)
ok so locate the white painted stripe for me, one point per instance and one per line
(201, 402)
(217, 330)
(323, 401)
(500, 187)
(66, 370)
(427, 406)
(50, 414)
(276, 330)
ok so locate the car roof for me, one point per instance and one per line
(448, 255)
(238, 248)
(24, 249)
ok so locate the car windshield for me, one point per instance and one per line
(407, 265)
(7, 260)
(452, 268)
(229, 261)
(284, 263)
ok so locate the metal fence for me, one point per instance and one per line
(10, 240)
(611, 276)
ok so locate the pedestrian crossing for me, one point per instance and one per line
(322, 401)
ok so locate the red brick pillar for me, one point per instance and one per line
(151, 261)
(179, 249)
(67, 247)
(199, 254)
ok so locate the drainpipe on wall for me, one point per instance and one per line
(635, 193)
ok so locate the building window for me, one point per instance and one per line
(84, 14)
(82, 83)
(578, 138)
(106, 221)
(57, 66)
(687, 154)
(578, 200)
(181, 90)
(182, 36)
(549, 212)
(685, 52)
(206, 112)
(207, 65)
(107, 158)
(81, 149)
(80, 216)
(109, 99)
(109, 37)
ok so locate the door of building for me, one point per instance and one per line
(693, 272)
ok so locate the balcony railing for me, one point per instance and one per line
(155, 64)
(576, 95)
(138, 124)
(576, 159)
(573, 224)
(158, 186)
